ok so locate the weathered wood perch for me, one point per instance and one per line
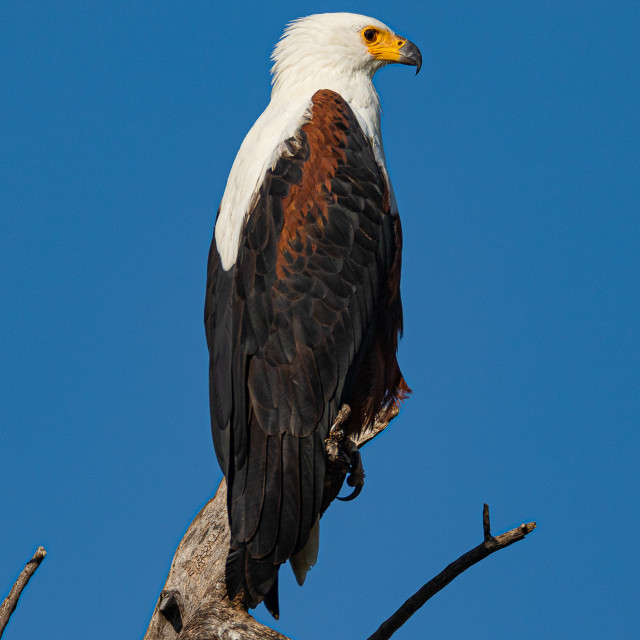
(11, 601)
(194, 606)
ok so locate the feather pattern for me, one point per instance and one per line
(306, 319)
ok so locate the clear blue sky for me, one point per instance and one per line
(514, 156)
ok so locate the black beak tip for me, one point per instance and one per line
(411, 55)
(417, 56)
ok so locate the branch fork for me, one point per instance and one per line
(489, 545)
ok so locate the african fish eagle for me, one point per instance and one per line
(303, 309)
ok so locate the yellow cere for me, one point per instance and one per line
(383, 45)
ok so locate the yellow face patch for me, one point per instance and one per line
(383, 45)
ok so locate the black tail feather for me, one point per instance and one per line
(271, 599)
(234, 572)
(257, 579)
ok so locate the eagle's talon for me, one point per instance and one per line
(356, 471)
(343, 452)
(353, 495)
(335, 452)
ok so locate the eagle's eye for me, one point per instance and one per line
(370, 35)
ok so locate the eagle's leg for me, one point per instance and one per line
(343, 452)
(333, 444)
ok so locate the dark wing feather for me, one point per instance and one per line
(290, 328)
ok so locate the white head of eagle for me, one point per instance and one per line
(303, 311)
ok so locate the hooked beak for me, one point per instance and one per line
(410, 54)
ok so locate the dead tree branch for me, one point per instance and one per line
(418, 599)
(11, 601)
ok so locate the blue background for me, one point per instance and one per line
(514, 156)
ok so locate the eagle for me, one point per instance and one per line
(303, 310)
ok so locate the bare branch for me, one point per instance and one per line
(11, 601)
(486, 523)
(418, 599)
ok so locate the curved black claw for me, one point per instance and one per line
(356, 471)
(353, 495)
